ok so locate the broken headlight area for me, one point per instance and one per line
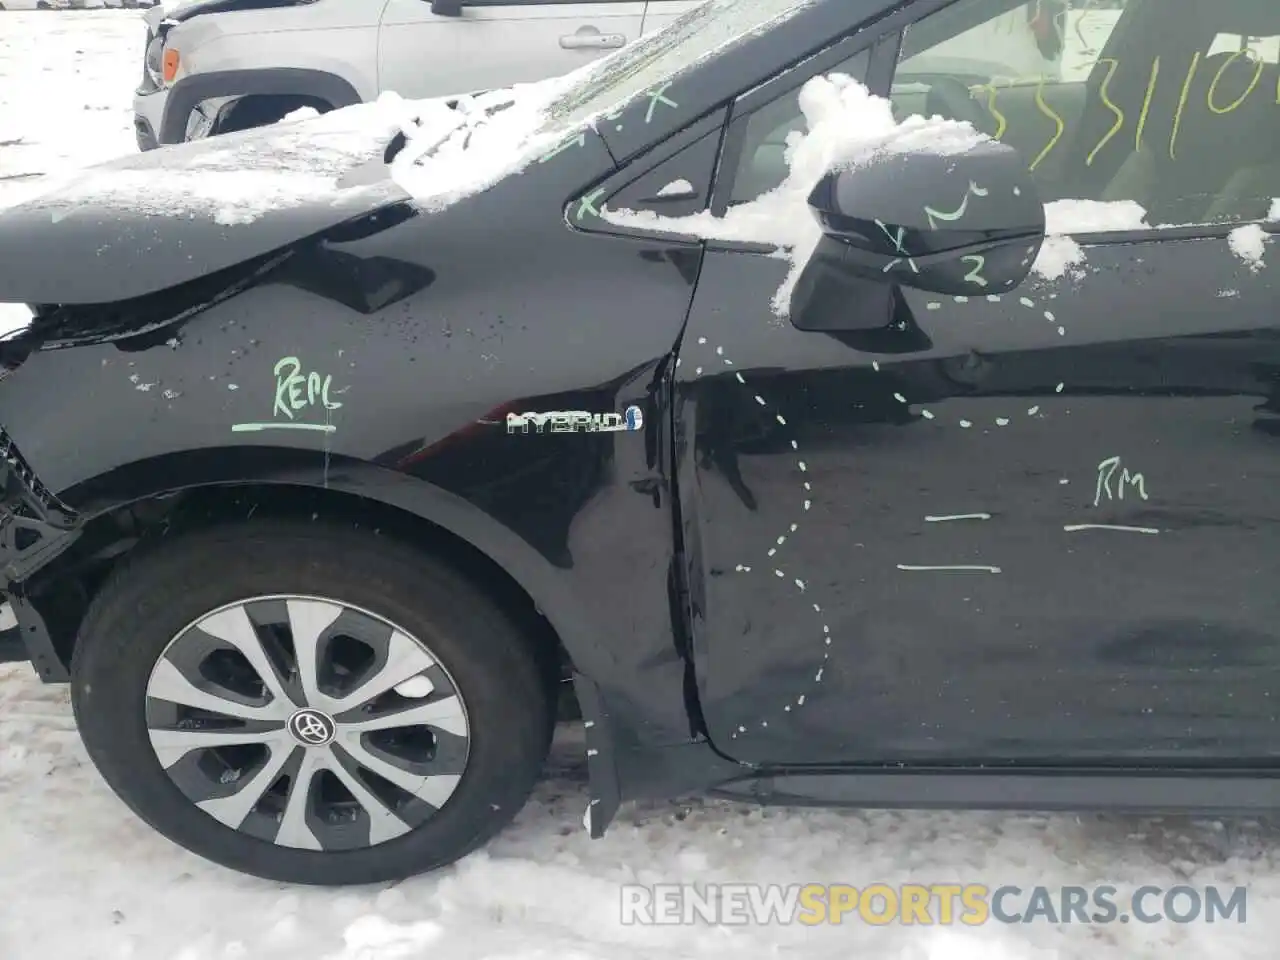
(34, 523)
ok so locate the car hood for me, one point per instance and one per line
(176, 11)
(151, 221)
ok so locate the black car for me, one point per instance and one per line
(320, 499)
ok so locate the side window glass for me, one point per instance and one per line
(762, 162)
(678, 187)
(1172, 105)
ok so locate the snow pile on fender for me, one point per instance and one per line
(238, 177)
(454, 147)
(455, 151)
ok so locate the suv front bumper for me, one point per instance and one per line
(149, 97)
(144, 134)
(148, 112)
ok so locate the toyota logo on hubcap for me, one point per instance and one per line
(311, 728)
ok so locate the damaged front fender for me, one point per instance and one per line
(122, 405)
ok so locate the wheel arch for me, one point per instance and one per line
(190, 91)
(117, 509)
(258, 107)
(132, 507)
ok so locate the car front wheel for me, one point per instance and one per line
(309, 704)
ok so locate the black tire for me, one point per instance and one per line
(252, 112)
(153, 596)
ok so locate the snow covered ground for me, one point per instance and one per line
(81, 878)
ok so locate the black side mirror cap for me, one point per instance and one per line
(965, 224)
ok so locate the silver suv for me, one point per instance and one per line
(213, 66)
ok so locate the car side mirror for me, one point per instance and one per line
(447, 8)
(964, 224)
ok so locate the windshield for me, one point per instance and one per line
(652, 60)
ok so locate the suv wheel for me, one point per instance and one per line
(309, 704)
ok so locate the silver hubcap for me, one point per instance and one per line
(307, 723)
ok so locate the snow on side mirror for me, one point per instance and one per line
(964, 224)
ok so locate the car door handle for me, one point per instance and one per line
(675, 196)
(589, 38)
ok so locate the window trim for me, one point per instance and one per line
(713, 123)
(1183, 234)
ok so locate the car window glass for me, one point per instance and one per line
(1170, 104)
(1266, 49)
(762, 163)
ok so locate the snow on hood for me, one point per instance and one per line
(456, 151)
(454, 147)
(238, 177)
(847, 126)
